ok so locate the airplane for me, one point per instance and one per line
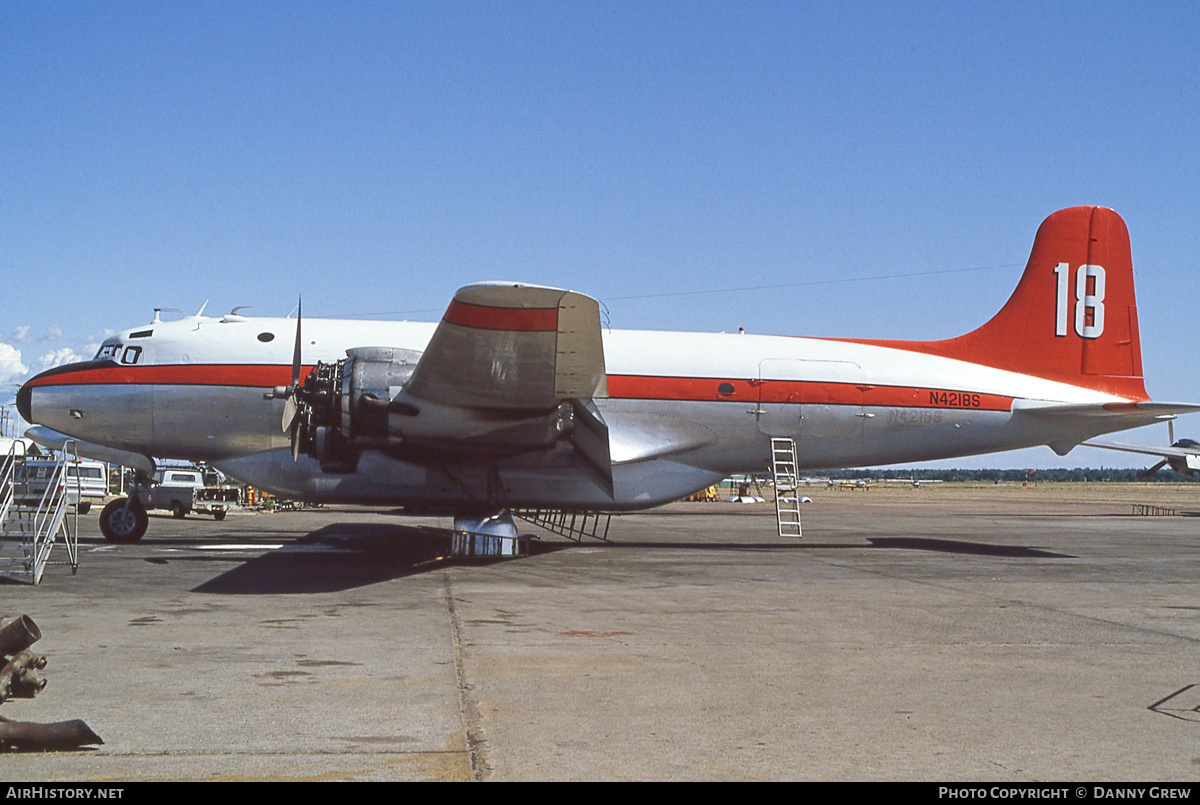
(519, 398)
(914, 482)
(1182, 456)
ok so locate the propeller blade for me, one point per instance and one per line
(296, 348)
(1152, 470)
(1171, 430)
(290, 409)
(294, 437)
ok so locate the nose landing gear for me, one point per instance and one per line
(124, 520)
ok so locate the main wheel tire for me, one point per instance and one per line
(219, 514)
(177, 509)
(122, 523)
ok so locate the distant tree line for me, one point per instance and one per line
(1079, 474)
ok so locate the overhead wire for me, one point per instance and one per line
(812, 283)
(738, 289)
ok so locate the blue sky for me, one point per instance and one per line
(377, 156)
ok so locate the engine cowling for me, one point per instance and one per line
(344, 406)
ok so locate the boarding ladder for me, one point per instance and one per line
(33, 515)
(573, 525)
(8, 470)
(787, 499)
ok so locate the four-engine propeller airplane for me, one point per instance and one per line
(519, 398)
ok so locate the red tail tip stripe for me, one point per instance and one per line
(482, 317)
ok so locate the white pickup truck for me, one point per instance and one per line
(183, 490)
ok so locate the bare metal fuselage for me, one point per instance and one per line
(612, 420)
(684, 411)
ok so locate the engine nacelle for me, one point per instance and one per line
(344, 406)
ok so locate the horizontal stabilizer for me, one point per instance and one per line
(1149, 411)
(1069, 425)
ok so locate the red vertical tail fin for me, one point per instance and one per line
(1072, 317)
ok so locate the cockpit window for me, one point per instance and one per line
(131, 355)
(108, 352)
(142, 334)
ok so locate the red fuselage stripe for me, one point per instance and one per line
(799, 391)
(630, 387)
(213, 374)
(481, 317)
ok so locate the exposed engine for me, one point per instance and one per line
(343, 407)
(356, 404)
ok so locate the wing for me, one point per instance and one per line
(513, 347)
(511, 369)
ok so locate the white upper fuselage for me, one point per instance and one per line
(210, 341)
(684, 409)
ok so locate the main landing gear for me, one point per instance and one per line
(492, 535)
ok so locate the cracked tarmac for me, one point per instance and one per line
(914, 634)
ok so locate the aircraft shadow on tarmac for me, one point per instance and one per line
(349, 555)
(335, 558)
(888, 543)
(1183, 704)
(959, 546)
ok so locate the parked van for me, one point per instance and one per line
(92, 486)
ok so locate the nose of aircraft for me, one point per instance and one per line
(43, 397)
(95, 401)
(23, 398)
(92, 404)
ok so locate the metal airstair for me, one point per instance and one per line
(573, 525)
(34, 500)
(787, 498)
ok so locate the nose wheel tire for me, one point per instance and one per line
(123, 521)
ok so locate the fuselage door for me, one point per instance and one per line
(810, 400)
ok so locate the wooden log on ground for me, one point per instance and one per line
(27, 736)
